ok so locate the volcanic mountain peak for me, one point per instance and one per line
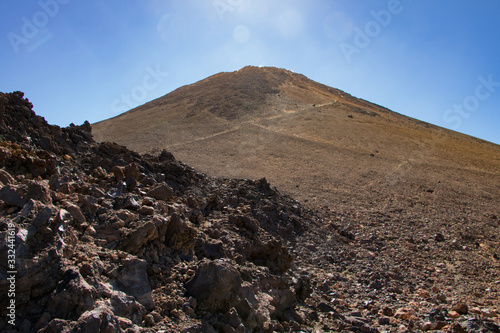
(223, 102)
(248, 93)
(270, 122)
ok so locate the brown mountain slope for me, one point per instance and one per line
(315, 142)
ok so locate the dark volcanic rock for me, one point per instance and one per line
(480, 326)
(133, 279)
(73, 295)
(104, 245)
(215, 285)
(161, 192)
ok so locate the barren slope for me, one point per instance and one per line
(312, 141)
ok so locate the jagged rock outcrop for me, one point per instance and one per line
(107, 240)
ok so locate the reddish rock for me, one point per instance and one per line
(460, 308)
(161, 192)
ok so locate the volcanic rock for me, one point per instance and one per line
(215, 285)
(161, 192)
(133, 279)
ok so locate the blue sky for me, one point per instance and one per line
(437, 61)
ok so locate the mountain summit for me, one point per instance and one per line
(220, 103)
(315, 142)
(107, 240)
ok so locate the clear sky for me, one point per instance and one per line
(437, 61)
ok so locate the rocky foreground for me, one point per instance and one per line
(107, 240)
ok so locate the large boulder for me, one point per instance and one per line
(12, 195)
(215, 285)
(133, 279)
(161, 192)
(139, 236)
(72, 295)
(180, 234)
(99, 319)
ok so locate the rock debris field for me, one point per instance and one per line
(107, 240)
